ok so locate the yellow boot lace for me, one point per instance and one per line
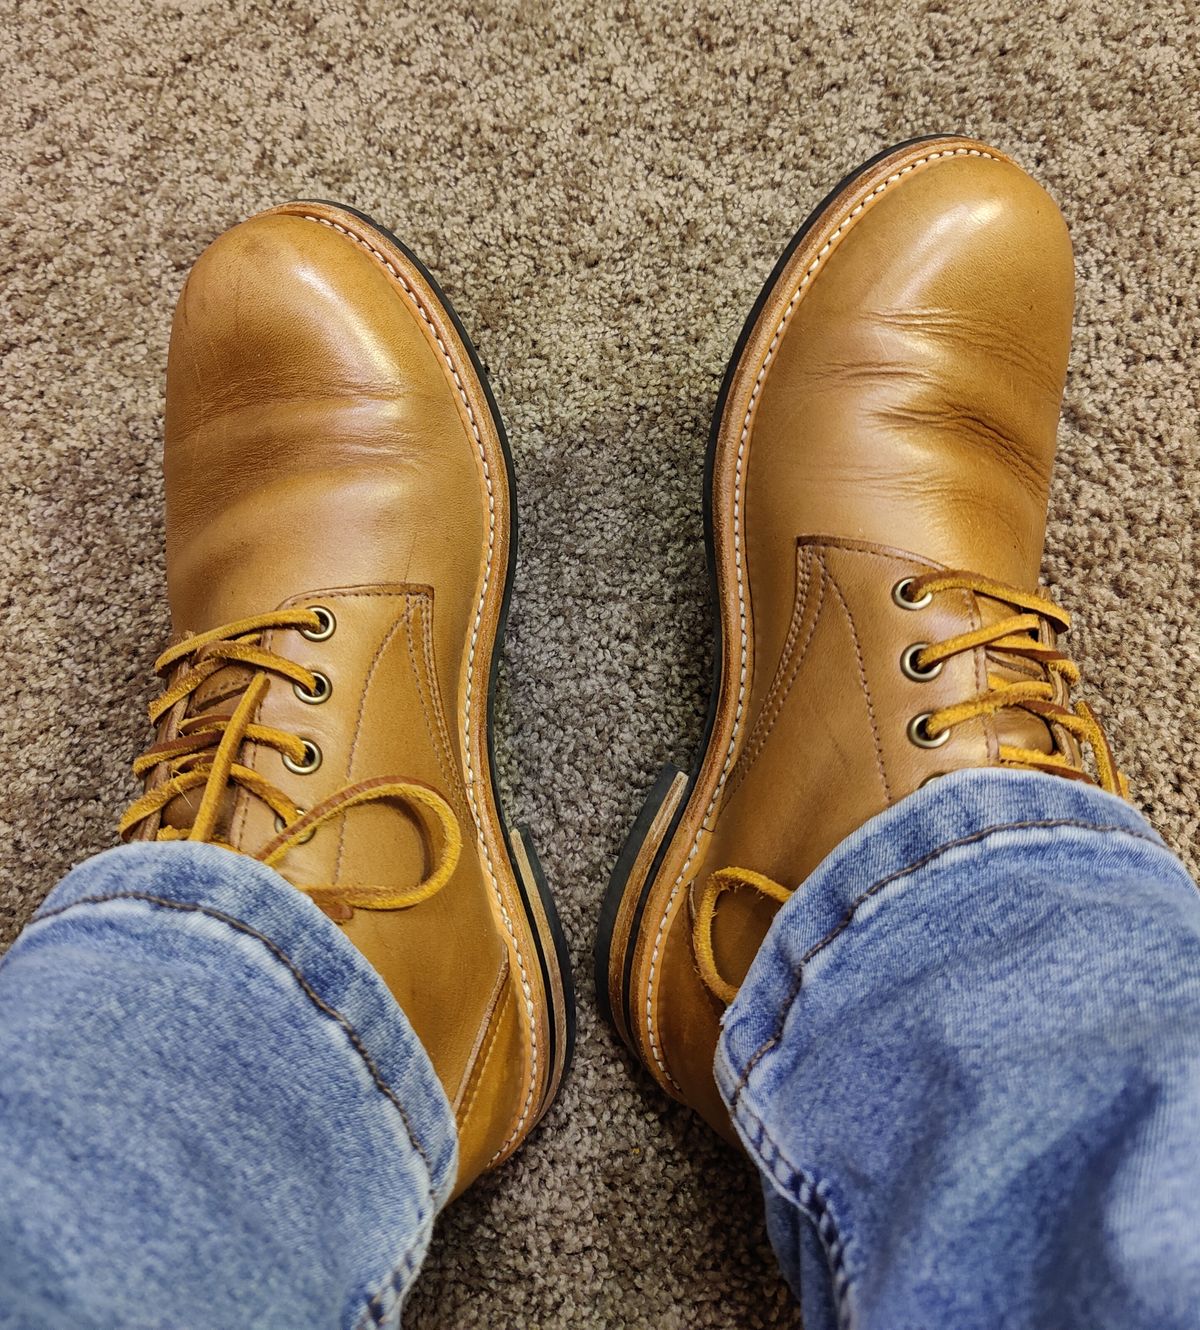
(704, 912)
(1018, 635)
(203, 755)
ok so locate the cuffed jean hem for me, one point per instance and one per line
(882, 1055)
(316, 1110)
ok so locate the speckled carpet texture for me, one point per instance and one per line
(601, 189)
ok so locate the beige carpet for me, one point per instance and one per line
(601, 190)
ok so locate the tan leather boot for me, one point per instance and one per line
(340, 543)
(880, 462)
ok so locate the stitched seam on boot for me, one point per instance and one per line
(481, 839)
(454, 775)
(479, 1071)
(781, 686)
(399, 622)
(862, 674)
(429, 706)
(844, 226)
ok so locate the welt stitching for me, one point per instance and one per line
(844, 226)
(481, 839)
(862, 674)
(239, 926)
(1044, 824)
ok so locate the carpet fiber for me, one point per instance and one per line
(601, 190)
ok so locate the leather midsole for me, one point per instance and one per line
(527, 930)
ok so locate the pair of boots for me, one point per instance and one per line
(340, 545)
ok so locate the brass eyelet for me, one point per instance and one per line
(281, 826)
(328, 624)
(919, 735)
(911, 670)
(323, 692)
(309, 763)
(900, 595)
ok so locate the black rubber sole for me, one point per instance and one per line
(615, 894)
(558, 937)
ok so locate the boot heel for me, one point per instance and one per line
(553, 953)
(627, 887)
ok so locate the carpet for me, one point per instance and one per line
(601, 188)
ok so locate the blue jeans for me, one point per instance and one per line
(212, 1112)
(966, 1062)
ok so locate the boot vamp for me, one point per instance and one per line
(313, 437)
(913, 399)
(319, 453)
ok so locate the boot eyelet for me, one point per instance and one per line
(309, 763)
(919, 734)
(900, 595)
(281, 826)
(911, 670)
(328, 624)
(321, 693)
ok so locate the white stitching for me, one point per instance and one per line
(844, 225)
(487, 575)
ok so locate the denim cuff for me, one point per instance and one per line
(255, 903)
(952, 816)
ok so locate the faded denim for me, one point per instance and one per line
(967, 1064)
(212, 1112)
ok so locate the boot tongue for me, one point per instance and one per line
(1016, 727)
(219, 695)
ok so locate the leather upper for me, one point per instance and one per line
(328, 446)
(904, 384)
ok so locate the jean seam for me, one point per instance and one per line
(851, 913)
(812, 1198)
(374, 1311)
(239, 926)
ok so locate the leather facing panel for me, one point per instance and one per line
(385, 702)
